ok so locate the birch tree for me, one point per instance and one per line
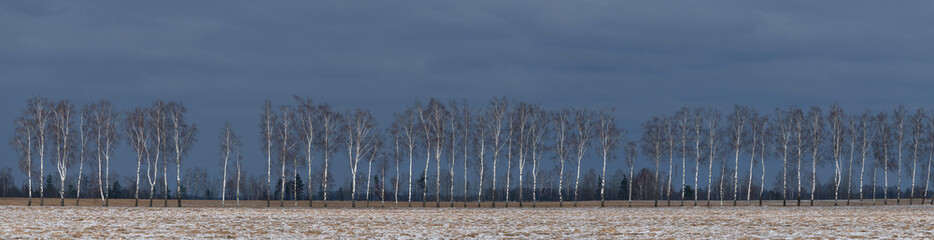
(88, 133)
(875, 172)
(899, 126)
(653, 141)
(697, 123)
(836, 122)
(40, 117)
(851, 128)
(783, 128)
(537, 134)
(455, 127)
(738, 121)
(510, 142)
(238, 159)
(395, 134)
(182, 136)
(283, 133)
(432, 120)
(84, 133)
(919, 127)
(63, 139)
(382, 163)
(815, 136)
(866, 132)
(631, 151)
(374, 145)
(881, 145)
(495, 117)
(437, 117)
(561, 124)
(799, 135)
(581, 137)
(522, 126)
(358, 128)
(267, 122)
(104, 125)
(479, 138)
(756, 126)
(763, 142)
(714, 136)
(609, 135)
(327, 142)
(406, 128)
(295, 158)
(670, 138)
(466, 119)
(930, 136)
(228, 145)
(159, 134)
(22, 143)
(683, 118)
(166, 149)
(425, 130)
(306, 115)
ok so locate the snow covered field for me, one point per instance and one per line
(688, 222)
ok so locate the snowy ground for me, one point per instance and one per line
(687, 222)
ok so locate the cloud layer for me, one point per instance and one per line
(222, 58)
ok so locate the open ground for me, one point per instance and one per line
(204, 219)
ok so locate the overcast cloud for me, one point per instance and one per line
(222, 58)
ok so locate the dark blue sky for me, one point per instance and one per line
(222, 58)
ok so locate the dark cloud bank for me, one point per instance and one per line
(643, 58)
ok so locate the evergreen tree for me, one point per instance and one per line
(421, 184)
(115, 190)
(688, 192)
(299, 186)
(50, 188)
(71, 190)
(623, 192)
(278, 188)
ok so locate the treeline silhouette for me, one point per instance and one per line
(453, 152)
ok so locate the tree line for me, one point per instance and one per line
(454, 140)
(89, 135)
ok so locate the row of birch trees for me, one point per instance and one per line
(511, 143)
(447, 137)
(70, 137)
(801, 141)
(476, 141)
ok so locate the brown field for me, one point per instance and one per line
(205, 219)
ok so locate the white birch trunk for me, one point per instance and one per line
(752, 157)
(369, 167)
